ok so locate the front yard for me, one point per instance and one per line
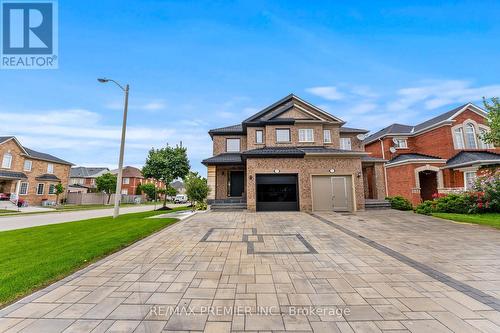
(32, 258)
(491, 219)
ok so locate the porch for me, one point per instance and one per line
(10, 185)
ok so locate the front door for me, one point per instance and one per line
(236, 183)
(428, 184)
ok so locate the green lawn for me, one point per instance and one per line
(32, 258)
(491, 219)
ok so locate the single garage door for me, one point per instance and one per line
(332, 193)
(277, 192)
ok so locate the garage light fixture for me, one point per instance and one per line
(332, 170)
(276, 171)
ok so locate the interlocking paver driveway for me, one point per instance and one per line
(238, 271)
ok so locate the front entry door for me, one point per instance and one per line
(236, 183)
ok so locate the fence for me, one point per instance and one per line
(74, 198)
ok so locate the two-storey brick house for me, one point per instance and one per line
(440, 155)
(292, 156)
(84, 177)
(28, 174)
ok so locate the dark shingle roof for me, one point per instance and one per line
(372, 159)
(233, 129)
(225, 158)
(46, 157)
(438, 119)
(274, 152)
(352, 130)
(5, 138)
(406, 157)
(48, 176)
(12, 175)
(129, 172)
(465, 158)
(325, 150)
(394, 128)
(84, 172)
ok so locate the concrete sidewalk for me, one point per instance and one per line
(33, 220)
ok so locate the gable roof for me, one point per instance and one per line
(412, 157)
(352, 130)
(469, 158)
(129, 172)
(399, 129)
(233, 129)
(33, 153)
(84, 172)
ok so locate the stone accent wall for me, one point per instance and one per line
(305, 168)
(38, 168)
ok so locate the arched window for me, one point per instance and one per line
(470, 136)
(482, 144)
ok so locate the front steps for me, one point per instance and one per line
(230, 204)
(377, 204)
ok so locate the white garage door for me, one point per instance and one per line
(332, 193)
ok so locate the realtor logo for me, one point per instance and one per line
(29, 35)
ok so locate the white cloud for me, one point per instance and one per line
(363, 108)
(330, 93)
(154, 105)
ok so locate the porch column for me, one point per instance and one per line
(18, 189)
(211, 174)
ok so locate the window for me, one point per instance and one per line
(259, 136)
(459, 138)
(125, 191)
(482, 144)
(23, 190)
(126, 181)
(40, 188)
(27, 165)
(283, 135)
(50, 168)
(400, 143)
(327, 136)
(92, 181)
(345, 143)
(469, 180)
(52, 189)
(232, 145)
(306, 135)
(7, 161)
(470, 136)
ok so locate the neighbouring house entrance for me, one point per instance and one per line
(332, 193)
(236, 184)
(428, 184)
(277, 193)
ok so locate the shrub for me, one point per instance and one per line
(426, 208)
(201, 206)
(400, 203)
(487, 186)
(453, 203)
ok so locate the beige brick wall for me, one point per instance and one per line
(221, 176)
(38, 168)
(219, 143)
(305, 168)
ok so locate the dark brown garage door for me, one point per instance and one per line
(277, 192)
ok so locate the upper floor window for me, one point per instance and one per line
(470, 136)
(345, 143)
(126, 181)
(482, 144)
(459, 138)
(306, 135)
(27, 165)
(259, 136)
(232, 145)
(327, 136)
(400, 143)
(283, 135)
(7, 161)
(50, 168)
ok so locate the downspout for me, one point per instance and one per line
(385, 170)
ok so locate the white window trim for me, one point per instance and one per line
(27, 188)
(455, 143)
(465, 179)
(125, 180)
(325, 136)
(474, 134)
(343, 140)
(262, 137)
(24, 165)
(305, 131)
(405, 140)
(232, 150)
(5, 166)
(43, 188)
(289, 135)
(50, 185)
(49, 168)
(487, 129)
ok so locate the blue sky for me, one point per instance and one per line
(198, 65)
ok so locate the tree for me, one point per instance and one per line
(171, 192)
(493, 121)
(106, 183)
(149, 189)
(196, 187)
(166, 164)
(59, 190)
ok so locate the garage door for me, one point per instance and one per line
(277, 192)
(332, 193)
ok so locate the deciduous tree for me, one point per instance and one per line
(493, 121)
(107, 184)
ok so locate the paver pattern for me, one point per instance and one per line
(336, 283)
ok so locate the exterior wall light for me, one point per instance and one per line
(276, 171)
(332, 170)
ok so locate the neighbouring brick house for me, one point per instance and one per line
(440, 155)
(84, 178)
(28, 174)
(292, 156)
(131, 179)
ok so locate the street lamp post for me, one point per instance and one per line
(118, 190)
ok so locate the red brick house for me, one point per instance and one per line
(440, 155)
(131, 179)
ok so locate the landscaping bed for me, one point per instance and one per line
(35, 257)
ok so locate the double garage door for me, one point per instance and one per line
(281, 193)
